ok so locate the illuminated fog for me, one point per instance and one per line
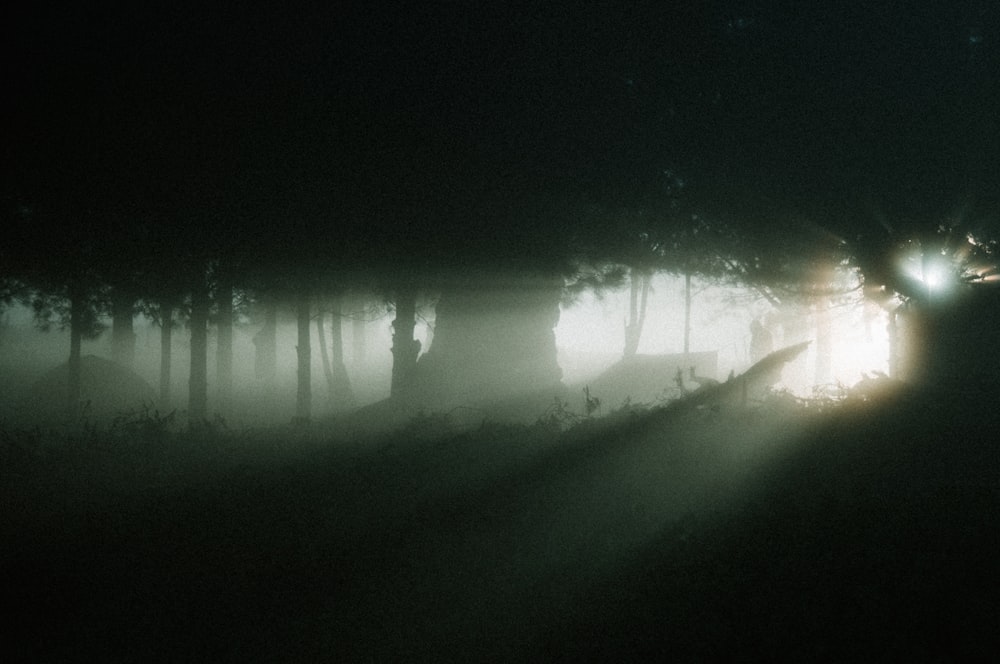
(508, 332)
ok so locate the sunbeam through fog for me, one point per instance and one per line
(488, 331)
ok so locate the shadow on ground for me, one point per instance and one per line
(844, 532)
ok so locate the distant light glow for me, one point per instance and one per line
(591, 335)
(934, 271)
(934, 277)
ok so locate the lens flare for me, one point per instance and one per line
(936, 272)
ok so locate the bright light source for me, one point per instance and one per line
(934, 277)
(934, 271)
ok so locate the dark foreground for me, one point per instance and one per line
(856, 533)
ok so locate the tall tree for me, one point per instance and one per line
(165, 316)
(337, 380)
(122, 327)
(303, 349)
(57, 270)
(265, 345)
(494, 338)
(405, 349)
(224, 345)
(639, 287)
(198, 374)
(344, 394)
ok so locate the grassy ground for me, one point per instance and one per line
(851, 532)
(874, 540)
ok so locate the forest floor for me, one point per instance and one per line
(853, 531)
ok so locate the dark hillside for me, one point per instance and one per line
(760, 534)
(106, 390)
(876, 540)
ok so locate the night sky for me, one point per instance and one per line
(841, 113)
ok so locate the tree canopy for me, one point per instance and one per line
(434, 138)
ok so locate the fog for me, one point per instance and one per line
(589, 339)
(556, 532)
(529, 489)
(488, 331)
(590, 334)
(27, 353)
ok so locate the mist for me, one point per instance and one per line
(512, 526)
(479, 332)
(589, 341)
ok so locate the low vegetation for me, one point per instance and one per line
(854, 527)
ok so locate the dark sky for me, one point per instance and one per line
(830, 108)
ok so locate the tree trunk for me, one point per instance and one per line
(122, 329)
(893, 333)
(405, 349)
(198, 379)
(358, 341)
(303, 400)
(638, 298)
(224, 348)
(631, 338)
(265, 345)
(824, 324)
(337, 377)
(166, 351)
(337, 336)
(77, 305)
(325, 358)
(687, 312)
(824, 343)
(345, 392)
(493, 341)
